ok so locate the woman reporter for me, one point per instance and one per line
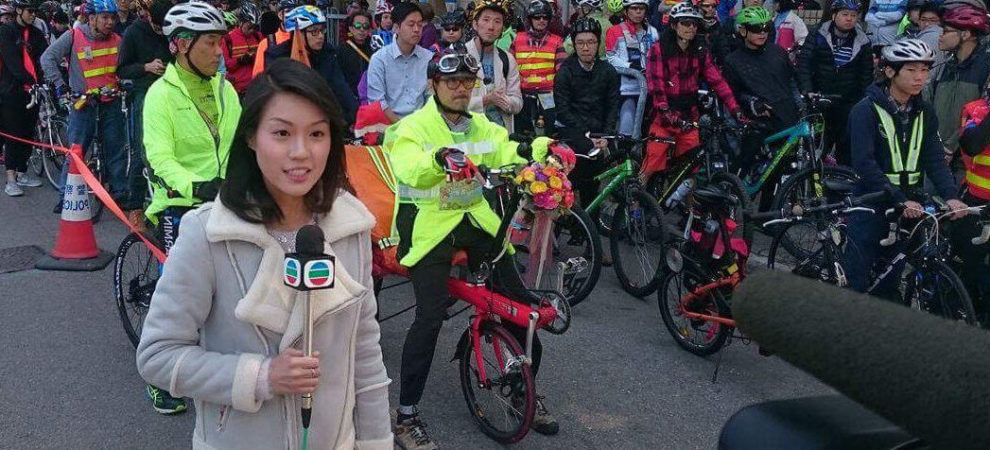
(224, 330)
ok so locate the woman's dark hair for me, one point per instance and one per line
(243, 190)
(356, 14)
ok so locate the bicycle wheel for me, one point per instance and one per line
(697, 336)
(935, 288)
(56, 135)
(799, 190)
(637, 243)
(823, 263)
(576, 258)
(503, 403)
(36, 165)
(135, 275)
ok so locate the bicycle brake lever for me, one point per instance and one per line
(983, 237)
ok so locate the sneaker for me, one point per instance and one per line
(13, 190)
(163, 402)
(410, 433)
(543, 421)
(28, 180)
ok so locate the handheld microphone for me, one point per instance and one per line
(922, 372)
(308, 269)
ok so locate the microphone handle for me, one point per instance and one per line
(307, 399)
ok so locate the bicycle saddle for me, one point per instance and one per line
(841, 187)
(711, 195)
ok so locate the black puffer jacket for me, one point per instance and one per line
(587, 100)
(816, 70)
(139, 46)
(765, 75)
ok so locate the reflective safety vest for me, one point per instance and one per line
(536, 63)
(903, 174)
(97, 59)
(978, 168)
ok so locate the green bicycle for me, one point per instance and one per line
(631, 218)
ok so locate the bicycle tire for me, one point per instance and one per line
(575, 235)
(789, 195)
(714, 334)
(55, 135)
(646, 230)
(515, 378)
(955, 304)
(133, 292)
(819, 264)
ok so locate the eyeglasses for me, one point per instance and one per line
(688, 23)
(637, 8)
(764, 28)
(588, 43)
(539, 18)
(315, 31)
(451, 62)
(707, 6)
(464, 83)
(361, 26)
(452, 29)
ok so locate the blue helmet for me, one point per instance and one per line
(303, 17)
(101, 7)
(845, 4)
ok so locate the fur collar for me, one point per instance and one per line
(269, 303)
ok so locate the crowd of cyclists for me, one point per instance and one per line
(908, 82)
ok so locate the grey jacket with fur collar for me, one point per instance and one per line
(220, 309)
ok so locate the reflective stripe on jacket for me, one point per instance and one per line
(977, 168)
(537, 63)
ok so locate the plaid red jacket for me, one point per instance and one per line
(674, 80)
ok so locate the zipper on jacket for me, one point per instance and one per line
(222, 417)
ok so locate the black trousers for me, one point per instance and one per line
(16, 120)
(531, 109)
(429, 280)
(974, 269)
(583, 175)
(836, 119)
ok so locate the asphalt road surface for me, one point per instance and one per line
(615, 380)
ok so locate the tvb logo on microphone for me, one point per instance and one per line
(308, 273)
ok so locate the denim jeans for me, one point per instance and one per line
(862, 251)
(627, 115)
(113, 143)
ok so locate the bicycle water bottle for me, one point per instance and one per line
(682, 191)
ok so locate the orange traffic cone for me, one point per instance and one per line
(75, 245)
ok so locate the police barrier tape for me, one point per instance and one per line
(97, 188)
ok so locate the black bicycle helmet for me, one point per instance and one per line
(454, 19)
(248, 13)
(539, 8)
(586, 25)
(24, 3)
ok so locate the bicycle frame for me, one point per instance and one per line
(791, 138)
(618, 175)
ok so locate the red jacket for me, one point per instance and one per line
(238, 53)
(674, 80)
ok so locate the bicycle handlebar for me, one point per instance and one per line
(847, 205)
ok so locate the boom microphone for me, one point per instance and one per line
(308, 269)
(926, 374)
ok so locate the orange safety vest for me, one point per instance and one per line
(97, 59)
(977, 168)
(536, 63)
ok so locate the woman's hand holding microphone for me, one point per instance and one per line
(291, 373)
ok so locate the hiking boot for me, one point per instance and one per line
(543, 421)
(136, 219)
(13, 190)
(28, 180)
(410, 433)
(163, 402)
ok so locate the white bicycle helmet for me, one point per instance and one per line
(303, 17)
(628, 3)
(194, 16)
(593, 4)
(685, 10)
(908, 50)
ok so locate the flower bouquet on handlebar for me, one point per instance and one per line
(546, 195)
